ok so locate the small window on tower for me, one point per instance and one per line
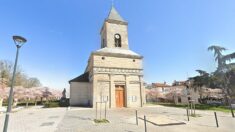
(117, 40)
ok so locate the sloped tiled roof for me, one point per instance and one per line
(82, 78)
(160, 85)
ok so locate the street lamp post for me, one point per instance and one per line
(19, 41)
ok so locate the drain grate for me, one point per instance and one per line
(47, 124)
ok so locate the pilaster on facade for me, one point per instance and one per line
(142, 91)
(112, 102)
(126, 90)
(94, 87)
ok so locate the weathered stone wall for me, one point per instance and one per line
(102, 77)
(111, 30)
(110, 71)
(104, 87)
(134, 99)
(80, 94)
(102, 91)
(117, 62)
(118, 78)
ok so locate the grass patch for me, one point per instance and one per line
(195, 115)
(101, 121)
(52, 104)
(197, 106)
(48, 104)
(23, 103)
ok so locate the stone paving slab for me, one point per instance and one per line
(121, 120)
(34, 120)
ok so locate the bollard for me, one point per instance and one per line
(188, 106)
(216, 120)
(231, 108)
(68, 108)
(145, 126)
(136, 116)
(194, 109)
(187, 113)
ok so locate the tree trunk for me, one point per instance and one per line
(226, 90)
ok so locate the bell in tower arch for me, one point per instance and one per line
(117, 40)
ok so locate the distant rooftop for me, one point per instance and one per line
(160, 85)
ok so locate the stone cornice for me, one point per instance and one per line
(116, 22)
(117, 55)
(108, 70)
(119, 68)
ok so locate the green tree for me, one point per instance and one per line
(217, 54)
(223, 72)
(200, 81)
(231, 84)
(222, 59)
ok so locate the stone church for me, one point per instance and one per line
(114, 73)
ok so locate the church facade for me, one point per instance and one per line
(114, 73)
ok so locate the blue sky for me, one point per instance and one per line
(173, 36)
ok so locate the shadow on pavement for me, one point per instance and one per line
(167, 124)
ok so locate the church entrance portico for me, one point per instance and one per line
(120, 96)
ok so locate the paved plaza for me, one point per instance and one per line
(160, 118)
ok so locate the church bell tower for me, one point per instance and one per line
(114, 33)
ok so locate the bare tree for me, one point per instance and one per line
(21, 78)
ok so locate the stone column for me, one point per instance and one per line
(127, 91)
(94, 91)
(142, 91)
(112, 100)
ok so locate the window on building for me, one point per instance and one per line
(179, 99)
(134, 98)
(105, 98)
(117, 40)
(189, 98)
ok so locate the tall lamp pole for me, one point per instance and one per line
(19, 41)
